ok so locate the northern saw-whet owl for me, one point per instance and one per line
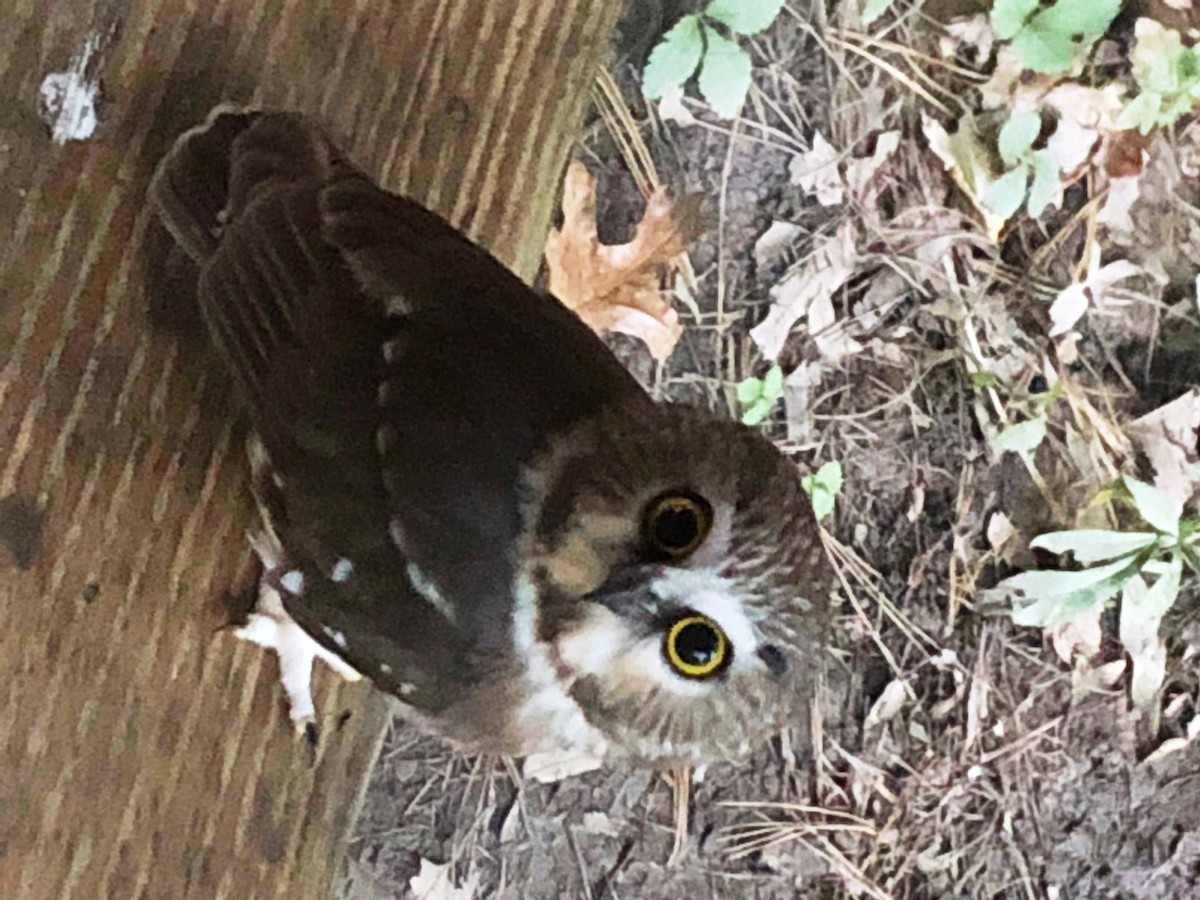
(465, 497)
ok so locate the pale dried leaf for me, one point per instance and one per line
(1080, 636)
(1116, 213)
(556, 765)
(600, 823)
(1067, 309)
(774, 242)
(1142, 609)
(816, 172)
(672, 109)
(830, 265)
(998, 90)
(860, 173)
(969, 163)
(1167, 436)
(1000, 530)
(436, 882)
(975, 32)
(1086, 678)
(799, 390)
(615, 287)
(888, 704)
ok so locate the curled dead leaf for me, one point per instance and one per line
(615, 287)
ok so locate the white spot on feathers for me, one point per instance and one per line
(293, 581)
(342, 570)
(429, 590)
(336, 636)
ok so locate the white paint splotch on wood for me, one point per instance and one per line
(69, 101)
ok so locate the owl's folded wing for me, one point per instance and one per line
(399, 377)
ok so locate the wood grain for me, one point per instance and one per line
(146, 753)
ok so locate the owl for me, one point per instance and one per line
(465, 497)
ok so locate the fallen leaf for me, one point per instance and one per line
(1167, 436)
(809, 292)
(774, 242)
(999, 531)
(975, 32)
(1116, 213)
(1072, 302)
(554, 766)
(1078, 637)
(615, 287)
(672, 109)
(600, 823)
(799, 391)
(889, 703)
(1142, 609)
(861, 173)
(817, 173)
(969, 163)
(436, 882)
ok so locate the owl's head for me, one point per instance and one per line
(682, 588)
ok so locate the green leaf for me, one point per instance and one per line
(1024, 437)
(1092, 545)
(749, 390)
(1045, 181)
(1044, 51)
(984, 380)
(1005, 195)
(1160, 511)
(772, 386)
(725, 77)
(674, 59)
(1079, 17)
(1009, 16)
(823, 486)
(873, 9)
(744, 16)
(757, 412)
(1053, 597)
(1018, 135)
(1141, 112)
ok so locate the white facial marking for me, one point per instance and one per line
(342, 570)
(709, 594)
(427, 589)
(547, 712)
(293, 581)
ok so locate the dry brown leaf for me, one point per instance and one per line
(615, 287)
(1168, 438)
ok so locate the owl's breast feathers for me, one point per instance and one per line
(400, 380)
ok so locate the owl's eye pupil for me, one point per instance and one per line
(675, 528)
(696, 647)
(697, 644)
(675, 524)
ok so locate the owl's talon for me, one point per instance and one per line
(270, 627)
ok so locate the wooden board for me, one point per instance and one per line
(145, 752)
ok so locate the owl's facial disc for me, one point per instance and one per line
(660, 628)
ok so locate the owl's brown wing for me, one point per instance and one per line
(399, 377)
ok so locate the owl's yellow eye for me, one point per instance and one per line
(676, 523)
(696, 647)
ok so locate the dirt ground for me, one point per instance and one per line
(961, 755)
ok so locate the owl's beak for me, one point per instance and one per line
(625, 587)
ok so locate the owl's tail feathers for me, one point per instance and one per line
(217, 169)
